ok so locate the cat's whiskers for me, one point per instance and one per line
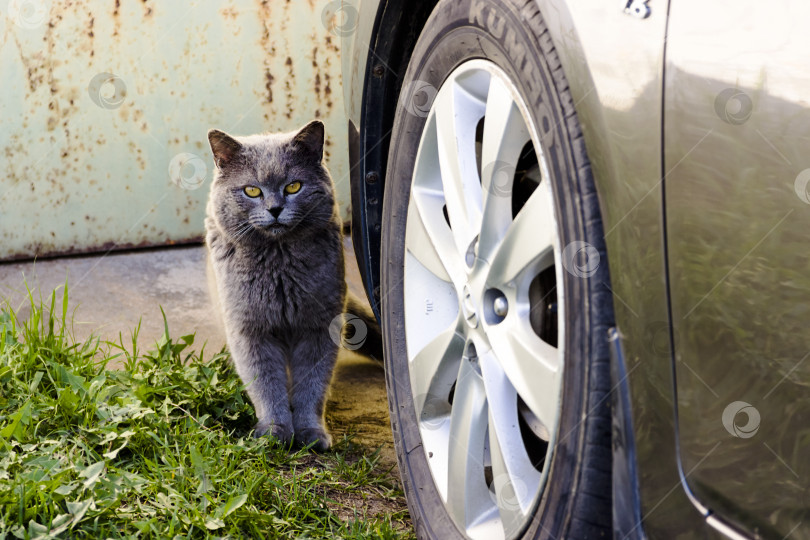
(246, 233)
(242, 230)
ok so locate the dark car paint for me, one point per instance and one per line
(619, 107)
(739, 281)
(615, 65)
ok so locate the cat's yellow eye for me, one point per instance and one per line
(252, 191)
(292, 187)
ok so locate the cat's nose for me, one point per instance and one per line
(275, 211)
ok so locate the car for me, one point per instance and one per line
(583, 228)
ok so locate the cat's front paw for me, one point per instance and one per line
(317, 435)
(280, 432)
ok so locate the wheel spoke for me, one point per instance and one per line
(514, 477)
(505, 135)
(433, 370)
(457, 113)
(532, 365)
(468, 496)
(529, 241)
(432, 245)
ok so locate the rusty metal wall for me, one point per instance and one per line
(105, 106)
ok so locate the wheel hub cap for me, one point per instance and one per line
(500, 306)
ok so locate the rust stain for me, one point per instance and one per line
(116, 18)
(316, 81)
(268, 85)
(327, 90)
(229, 12)
(268, 46)
(331, 46)
(288, 86)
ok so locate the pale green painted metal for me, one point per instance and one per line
(104, 111)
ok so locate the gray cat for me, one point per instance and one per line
(274, 237)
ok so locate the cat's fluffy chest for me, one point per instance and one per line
(281, 288)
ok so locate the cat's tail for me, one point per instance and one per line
(365, 336)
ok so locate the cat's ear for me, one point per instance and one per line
(309, 140)
(223, 146)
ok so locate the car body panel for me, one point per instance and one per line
(614, 65)
(355, 41)
(738, 212)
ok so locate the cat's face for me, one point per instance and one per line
(272, 185)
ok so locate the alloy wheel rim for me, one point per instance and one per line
(483, 302)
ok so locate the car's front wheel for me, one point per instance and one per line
(495, 298)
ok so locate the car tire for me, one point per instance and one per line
(573, 497)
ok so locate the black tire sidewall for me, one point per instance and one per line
(455, 33)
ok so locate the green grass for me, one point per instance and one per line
(160, 448)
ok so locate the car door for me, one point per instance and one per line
(737, 171)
